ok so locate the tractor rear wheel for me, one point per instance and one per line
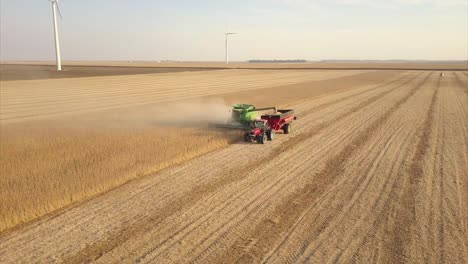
(287, 128)
(261, 139)
(270, 134)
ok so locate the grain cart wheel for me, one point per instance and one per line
(287, 128)
(261, 139)
(270, 134)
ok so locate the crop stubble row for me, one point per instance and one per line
(293, 205)
(250, 240)
(305, 198)
(204, 171)
(93, 153)
(41, 99)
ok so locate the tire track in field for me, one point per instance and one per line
(462, 84)
(466, 74)
(204, 252)
(362, 180)
(322, 106)
(94, 251)
(462, 87)
(453, 233)
(234, 217)
(447, 236)
(234, 221)
(353, 110)
(441, 228)
(366, 180)
(312, 110)
(199, 220)
(403, 231)
(361, 185)
(267, 232)
(367, 170)
(461, 107)
(452, 225)
(116, 208)
(270, 197)
(394, 249)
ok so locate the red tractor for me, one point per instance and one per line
(265, 128)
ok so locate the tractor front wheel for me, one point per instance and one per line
(261, 139)
(287, 128)
(270, 134)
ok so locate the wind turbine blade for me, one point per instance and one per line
(58, 10)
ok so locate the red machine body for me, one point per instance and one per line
(278, 121)
(265, 128)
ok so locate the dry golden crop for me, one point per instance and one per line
(50, 170)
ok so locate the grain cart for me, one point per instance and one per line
(266, 127)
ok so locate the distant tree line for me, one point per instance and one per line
(277, 61)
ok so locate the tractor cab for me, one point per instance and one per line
(260, 123)
(260, 132)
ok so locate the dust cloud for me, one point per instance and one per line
(193, 113)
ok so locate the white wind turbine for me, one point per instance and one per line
(55, 10)
(227, 45)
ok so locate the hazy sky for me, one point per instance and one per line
(269, 29)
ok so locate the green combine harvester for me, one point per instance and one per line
(244, 116)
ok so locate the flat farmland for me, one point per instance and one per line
(22, 100)
(112, 169)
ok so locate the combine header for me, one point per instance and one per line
(259, 127)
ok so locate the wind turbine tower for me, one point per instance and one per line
(227, 45)
(55, 10)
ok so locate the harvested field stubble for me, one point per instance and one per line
(50, 158)
(375, 171)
